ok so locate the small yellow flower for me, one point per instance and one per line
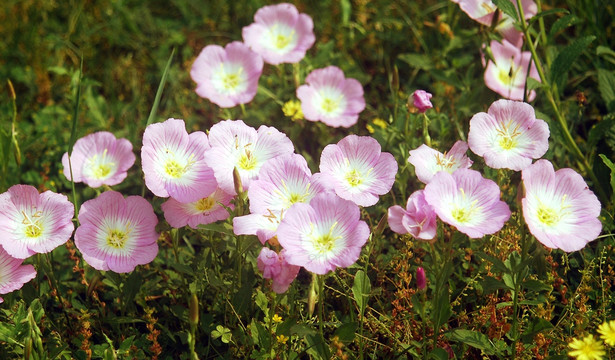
(380, 123)
(276, 319)
(292, 109)
(282, 339)
(607, 332)
(369, 128)
(587, 349)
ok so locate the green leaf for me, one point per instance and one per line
(473, 339)
(611, 166)
(548, 12)
(419, 61)
(163, 80)
(599, 130)
(535, 326)
(438, 354)
(442, 308)
(536, 285)
(346, 11)
(567, 57)
(533, 84)
(491, 284)
(507, 8)
(563, 23)
(346, 332)
(361, 289)
(606, 84)
(499, 264)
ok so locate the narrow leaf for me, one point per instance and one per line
(606, 84)
(611, 166)
(507, 8)
(474, 339)
(361, 289)
(564, 60)
(163, 80)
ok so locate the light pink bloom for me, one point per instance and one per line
(227, 76)
(483, 10)
(357, 170)
(237, 145)
(467, 201)
(99, 159)
(331, 98)
(508, 135)
(282, 182)
(559, 208)
(421, 100)
(324, 234)
(417, 219)
(507, 76)
(117, 233)
(428, 162)
(33, 223)
(13, 275)
(274, 266)
(173, 162)
(201, 212)
(280, 34)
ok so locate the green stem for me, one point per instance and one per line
(551, 99)
(426, 130)
(321, 306)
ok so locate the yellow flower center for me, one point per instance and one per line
(116, 238)
(507, 136)
(33, 227)
(445, 162)
(174, 169)
(230, 81)
(247, 161)
(325, 243)
(205, 204)
(353, 178)
(101, 170)
(547, 215)
(282, 41)
(329, 105)
(463, 213)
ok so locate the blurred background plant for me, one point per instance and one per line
(393, 48)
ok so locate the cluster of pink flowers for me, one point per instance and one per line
(280, 34)
(559, 209)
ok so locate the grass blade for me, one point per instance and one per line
(163, 80)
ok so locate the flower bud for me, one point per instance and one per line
(421, 100)
(421, 279)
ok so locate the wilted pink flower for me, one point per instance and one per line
(357, 170)
(237, 145)
(201, 212)
(33, 223)
(559, 208)
(117, 233)
(227, 76)
(331, 98)
(428, 162)
(280, 34)
(324, 234)
(421, 279)
(467, 201)
(282, 182)
(99, 159)
(421, 100)
(173, 162)
(508, 135)
(507, 76)
(13, 275)
(274, 266)
(483, 10)
(417, 219)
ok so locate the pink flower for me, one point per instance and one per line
(13, 275)
(274, 266)
(357, 170)
(467, 201)
(324, 234)
(421, 279)
(421, 100)
(507, 76)
(282, 182)
(201, 212)
(280, 34)
(418, 219)
(117, 233)
(559, 208)
(428, 162)
(227, 76)
(99, 159)
(33, 223)
(237, 145)
(174, 164)
(508, 135)
(331, 98)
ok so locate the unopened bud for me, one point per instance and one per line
(421, 279)
(382, 224)
(312, 295)
(194, 310)
(11, 90)
(237, 182)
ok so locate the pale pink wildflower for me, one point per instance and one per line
(323, 235)
(99, 159)
(174, 164)
(330, 97)
(422, 100)
(558, 207)
(417, 219)
(467, 201)
(274, 266)
(280, 34)
(507, 76)
(237, 145)
(13, 275)
(201, 212)
(508, 135)
(227, 76)
(282, 182)
(117, 233)
(33, 223)
(428, 162)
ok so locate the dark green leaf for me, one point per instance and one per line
(163, 80)
(442, 308)
(534, 327)
(611, 166)
(548, 12)
(419, 61)
(438, 354)
(563, 23)
(361, 289)
(606, 84)
(507, 8)
(536, 285)
(567, 57)
(346, 332)
(499, 264)
(491, 284)
(474, 339)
